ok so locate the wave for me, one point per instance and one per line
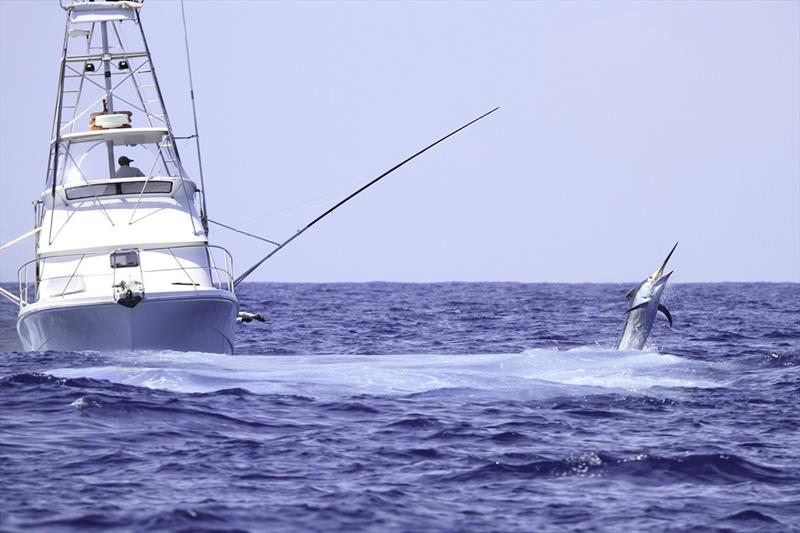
(640, 468)
(531, 374)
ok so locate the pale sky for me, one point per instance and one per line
(624, 127)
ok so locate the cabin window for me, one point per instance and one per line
(77, 193)
(124, 259)
(150, 187)
(120, 187)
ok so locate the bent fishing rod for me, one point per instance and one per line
(308, 226)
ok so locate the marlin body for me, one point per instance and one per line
(643, 306)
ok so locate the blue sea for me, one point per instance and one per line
(393, 407)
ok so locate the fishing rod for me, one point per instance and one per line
(299, 232)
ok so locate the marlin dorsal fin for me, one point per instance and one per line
(665, 311)
(631, 293)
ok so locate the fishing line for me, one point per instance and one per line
(315, 199)
(243, 232)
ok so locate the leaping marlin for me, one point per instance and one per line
(643, 306)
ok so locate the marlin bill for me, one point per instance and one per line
(643, 306)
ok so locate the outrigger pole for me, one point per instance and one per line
(250, 270)
(204, 209)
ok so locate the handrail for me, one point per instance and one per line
(213, 270)
(147, 249)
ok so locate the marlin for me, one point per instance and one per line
(643, 306)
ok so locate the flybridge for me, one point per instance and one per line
(109, 99)
(110, 123)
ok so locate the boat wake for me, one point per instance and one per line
(528, 375)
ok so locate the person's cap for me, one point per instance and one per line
(124, 160)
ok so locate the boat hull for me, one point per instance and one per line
(183, 323)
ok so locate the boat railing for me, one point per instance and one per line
(218, 271)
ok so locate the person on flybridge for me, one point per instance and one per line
(126, 170)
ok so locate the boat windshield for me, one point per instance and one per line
(118, 188)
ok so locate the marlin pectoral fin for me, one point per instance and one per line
(635, 307)
(665, 311)
(631, 293)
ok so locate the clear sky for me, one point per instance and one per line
(624, 127)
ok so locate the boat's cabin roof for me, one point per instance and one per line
(118, 136)
(91, 12)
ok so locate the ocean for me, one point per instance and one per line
(392, 407)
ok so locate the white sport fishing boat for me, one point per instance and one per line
(122, 257)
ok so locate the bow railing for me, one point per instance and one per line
(158, 269)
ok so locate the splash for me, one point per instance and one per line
(530, 374)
